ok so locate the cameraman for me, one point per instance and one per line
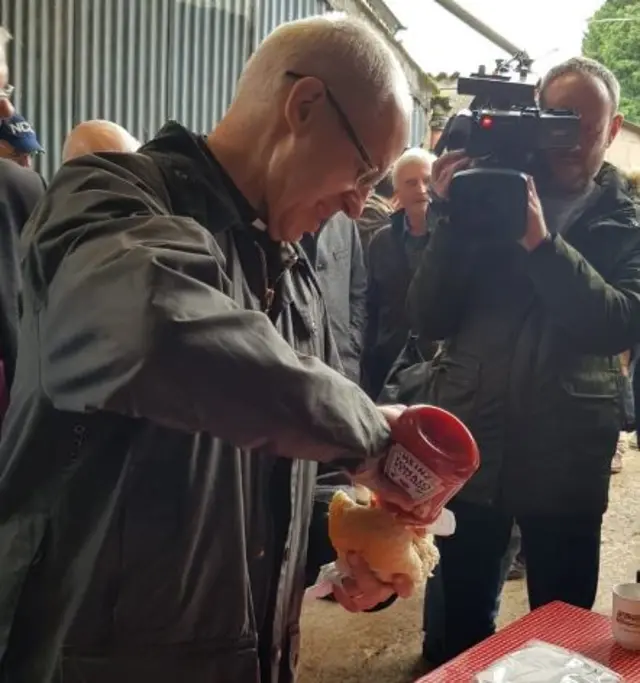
(532, 333)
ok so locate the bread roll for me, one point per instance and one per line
(387, 545)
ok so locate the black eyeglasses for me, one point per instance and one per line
(373, 170)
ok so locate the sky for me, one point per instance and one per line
(549, 30)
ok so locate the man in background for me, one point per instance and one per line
(394, 254)
(335, 252)
(18, 141)
(532, 330)
(98, 135)
(20, 191)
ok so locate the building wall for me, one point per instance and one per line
(137, 62)
(625, 150)
(418, 124)
(132, 61)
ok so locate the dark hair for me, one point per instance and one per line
(385, 187)
(590, 67)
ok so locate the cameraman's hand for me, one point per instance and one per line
(537, 231)
(443, 170)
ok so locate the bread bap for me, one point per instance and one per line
(387, 545)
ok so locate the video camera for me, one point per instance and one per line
(503, 131)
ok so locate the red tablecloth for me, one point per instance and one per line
(575, 629)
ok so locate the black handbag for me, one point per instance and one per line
(409, 381)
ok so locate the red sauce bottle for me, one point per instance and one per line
(434, 454)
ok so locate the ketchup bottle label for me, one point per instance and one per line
(411, 474)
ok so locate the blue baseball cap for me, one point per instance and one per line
(19, 133)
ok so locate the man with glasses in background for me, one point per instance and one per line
(20, 190)
(18, 141)
(532, 332)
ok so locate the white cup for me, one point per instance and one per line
(626, 615)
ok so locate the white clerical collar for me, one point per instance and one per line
(260, 225)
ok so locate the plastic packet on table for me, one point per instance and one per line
(539, 662)
(334, 573)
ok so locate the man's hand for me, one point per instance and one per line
(363, 591)
(443, 170)
(537, 231)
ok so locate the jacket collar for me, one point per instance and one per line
(192, 174)
(615, 204)
(200, 189)
(398, 219)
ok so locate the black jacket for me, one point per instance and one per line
(336, 253)
(388, 326)
(152, 395)
(20, 191)
(530, 358)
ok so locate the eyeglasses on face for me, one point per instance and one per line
(371, 176)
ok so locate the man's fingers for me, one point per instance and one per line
(362, 590)
(349, 603)
(365, 580)
(361, 602)
(391, 413)
(391, 495)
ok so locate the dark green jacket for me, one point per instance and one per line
(529, 361)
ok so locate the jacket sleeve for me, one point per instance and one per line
(357, 291)
(603, 317)
(134, 321)
(438, 292)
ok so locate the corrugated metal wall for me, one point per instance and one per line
(136, 62)
(271, 13)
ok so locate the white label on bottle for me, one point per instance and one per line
(411, 474)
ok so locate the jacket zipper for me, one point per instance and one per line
(269, 291)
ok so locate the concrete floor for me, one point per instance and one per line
(339, 647)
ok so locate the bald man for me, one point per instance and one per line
(175, 390)
(97, 135)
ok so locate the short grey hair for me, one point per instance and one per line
(589, 67)
(411, 156)
(335, 48)
(5, 37)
